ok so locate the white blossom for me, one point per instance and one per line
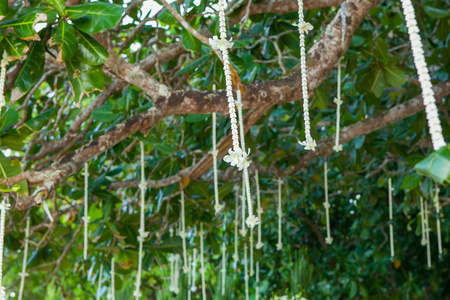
(234, 157)
(252, 221)
(305, 27)
(3, 65)
(310, 143)
(220, 44)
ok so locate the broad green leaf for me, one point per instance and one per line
(436, 166)
(90, 51)
(194, 118)
(24, 26)
(84, 78)
(66, 39)
(321, 100)
(382, 49)
(104, 113)
(58, 5)
(40, 120)
(15, 47)
(94, 17)
(394, 76)
(171, 245)
(8, 169)
(3, 9)
(8, 118)
(32, 68)
(195, 65)
(237, 63)
(376, 82)
(436, 13)
(412, 181)
(165, 17)
(190, 42)
(358, 41)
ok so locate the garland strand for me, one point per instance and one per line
(243, 230)
(189, 278)
(328, 239)
(113, 274)
(224, 255)
(202, 262)
(429, 101)
(423, 242)
(427, 229)
(280, 214)
(182, 233)
(99, 285)
(217, 207)
(236, 225)
(391, 227)
(3, 207)
(337, 147)
(194, 269)
(245, 271)
(257, 281)
(304, 27)
(3, 65)
(86, 217)
(438, 219)
(252, 272)
(259, 244)
(24, 273)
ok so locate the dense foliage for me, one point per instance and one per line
(64, 91)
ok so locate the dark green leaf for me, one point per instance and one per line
(41, 120)
(104, 113)
(394, 76)
(321, 101)
(237, 63)
(8, 118)
(3, 9)
(190, 42)
(15, 47)
(23, 26)
(32, 68)
(412, 181)
(94, 17)
(66, 39)
(197, 64)
(58, 5)
(436, 166)
(90, 51)
(84, 78)
(436, 13)
(8, 169)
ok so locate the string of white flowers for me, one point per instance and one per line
(257, 282)
(3, 65)
(194, 269)
(202, 262)
(304, 27)
(391, 227)
(337, 147)
(86, 217)
(223, 45)
(183, 233)
(243, 230)
(429, 101)
(99, 285)
(423, 242)
(24, 273)
(328, 239)
(236, 225)
(343, 20)
(245, 271)
(189, 278)
(113, 274)
(224, 255)
(252, 272)
(427, 230)
(438, 218)
(142, 233)
(280, 215)
(3, 207)
(259, 244)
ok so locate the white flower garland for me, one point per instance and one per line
(202, 262)
(304, 27)
(236, 225)
(391, 227)
(182, 233)
(438, 219)
(429, 101)
(259, 244)
(337, 147)
(99, 285)
(423, 241)
(4, 206)
(3, 65)
(24, 273)
(113, 274)
(245, 271)
(328, 239)
(194, 269)
(280, 215)
(86, 217)
(427, 230)
(142, 233)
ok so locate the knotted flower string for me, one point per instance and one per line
(280, 215)
(217, 207)
(259, 244)
(183, 233)
(189, 278)
(252, 272)
(86, 204)
(243, 230)
(236, 225)
(4, 206)
(224, 255)
(427, 230)
(423, 242)
(391, 227)
(245, 271)
(304, 27)
(202, 262)
(113, 274)
(257, 281)
(142, 233)
(24, 273)
(99, 284)
(429, 101)
(328, 239)
(438, 219)
(194, 269)
(3, 65)
(337, 147)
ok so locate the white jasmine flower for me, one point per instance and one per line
(279, 246)
(305, 27)
(233, 157)
(220, 44)
(252, 221)
(310, 143)
(329, 240)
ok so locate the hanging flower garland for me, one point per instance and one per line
(429, 101)
(189, 277)
(257, 281)
(113, 274)
(182, 233)
(259, 244)
(438, 218)
(4, 206)
(391, 227)
(304, 27)
(24, 273)
(236, 225)
(142, 233)
(86, 204)
(217, 207)
(3, 65)
(243, 230)
(224, 255)
(99, 285)
(252, 272)
(338, 147)
(423, 241)
(245, 271)
(202, 262)
(427, 230)
(328, 239)
(280, 215)
(194, 269)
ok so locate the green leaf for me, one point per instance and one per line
(84, 78)
(376, 82)
(90, 51)
(171, 245)
(8, 169)
(358, 40)
(436, 13)
(94, 17)
(24, 26)
(15, 47)
(8, 118)
(165, 17)
(32, 68)
(436, 166)
(104, 113)
(237, 63)
(412, 181)
(195, 65)
(190, 42)
(3, 9)
(394, 76)
(58, 5)
(382, 49)
(194, 118)
(66, 39)
(321, 101)
(40, 120)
